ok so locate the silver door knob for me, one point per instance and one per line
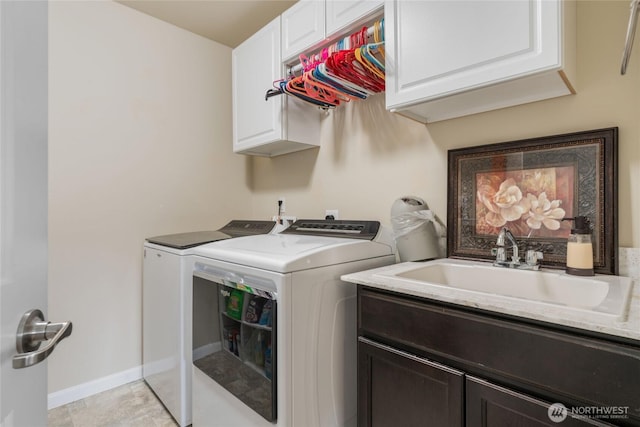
(32, 330)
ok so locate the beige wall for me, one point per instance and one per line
(140, 137)
(370, 157)
(140, 145)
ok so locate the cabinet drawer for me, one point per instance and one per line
(579, 369)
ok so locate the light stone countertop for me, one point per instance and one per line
(628, 327)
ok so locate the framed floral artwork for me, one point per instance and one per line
(530, 186)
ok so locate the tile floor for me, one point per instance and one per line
(132, 404)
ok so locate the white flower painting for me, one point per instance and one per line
(531, 202)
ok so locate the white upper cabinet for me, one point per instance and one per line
(302, 27)
(270, 127)
(343, 14)
(310, 23)
(448, 59)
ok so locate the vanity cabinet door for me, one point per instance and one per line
(399, 389)
(489, 405)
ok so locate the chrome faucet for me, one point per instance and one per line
(531, 258)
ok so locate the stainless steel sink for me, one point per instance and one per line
(595, 296)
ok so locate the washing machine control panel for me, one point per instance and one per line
(238, 228)
(355, 229)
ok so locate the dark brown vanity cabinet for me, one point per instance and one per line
(422, 363)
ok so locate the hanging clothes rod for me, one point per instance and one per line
(350, 69)
(346, 41)
(631, 31)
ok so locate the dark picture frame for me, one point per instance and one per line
(529, 186)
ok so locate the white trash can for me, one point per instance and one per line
(418, 234)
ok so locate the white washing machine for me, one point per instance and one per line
(279, 348)
(166, 311)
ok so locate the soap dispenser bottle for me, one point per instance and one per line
(580, 248)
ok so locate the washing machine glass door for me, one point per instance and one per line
(240, 331)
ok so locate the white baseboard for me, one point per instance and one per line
(80, 391)
(207, 349)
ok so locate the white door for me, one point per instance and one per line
(23, 211)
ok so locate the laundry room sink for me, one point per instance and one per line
(591, 297)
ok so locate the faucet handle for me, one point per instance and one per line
(499, 253)
(533, 256)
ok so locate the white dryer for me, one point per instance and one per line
(166, 311)
(282, 335)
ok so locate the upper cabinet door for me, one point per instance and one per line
(442, 48)
(270, 127)
(302, 27)
(343, 13)
(255, 66)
